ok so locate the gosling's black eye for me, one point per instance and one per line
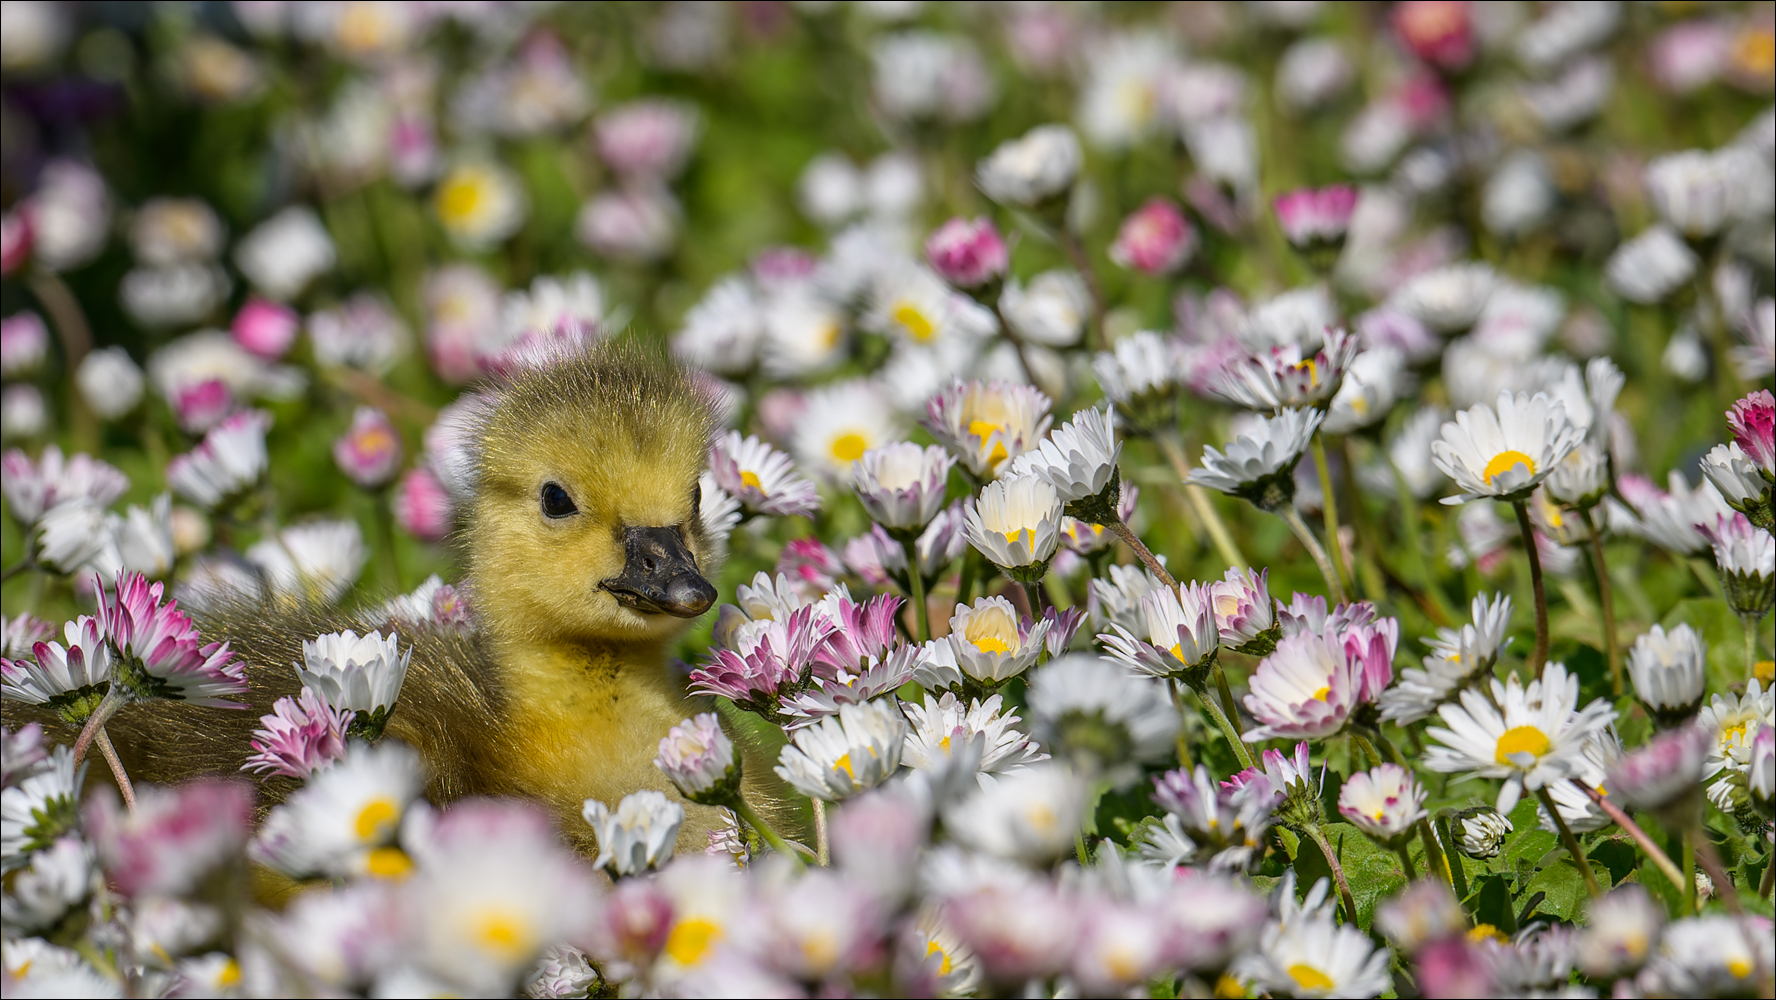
(696, 501)
(556, 502)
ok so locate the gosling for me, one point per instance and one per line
(586, 557)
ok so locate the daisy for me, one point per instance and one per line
(285, 252)
(159, 652)
(1672, 519)
(1456, 659)
(988, 425)
(1664, 772)
(1651, 266)
(1209, 822)
(1079, 460)
(33, 488)
(1103, 716)
(301, 735)
(1181, 635)
(1385, 802)
(1260, 465)
(1621, 930)
(70, 681)
(698, 758)
(1031, 816)
(638, 835)
(318, 560)
(1482, 832)
(937, 725)
(1670, 672)
(1289, 376)
(230, 460)
(1305, 690)
(1375, 380)
(912, 303)
(839, 423)
(1016, 525)
(1735, 720)
(1533, 738)
(991, 643)
(1746, 557)
(346, 820)
(480, 204)
(1051, 310)
(840, 756)
(1140, 370)
(1033, 169)
(901, 485)
(361, 674)
(1740, 482)
(762, 478)
(1311, 955)
(1505, 451)
(1753, 422)
(37, 811)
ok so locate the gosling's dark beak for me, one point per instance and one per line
(660, 575)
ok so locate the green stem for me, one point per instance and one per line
(1750, 627)
(1606, 597)
(16, 568)
(1141, 551)
(1199, 501)
(1768, 882)
(1033, 596)
(916, 584)
(1177, 691)
(1292, 518)
(1405, 854)
(1367, 748)
(1075, 251)
(1688, 865)
(1458, 876)
(1539, 658)
(115, 698)
(771, 836)
(1318, 836)
(1234, 742)
(1329, 508)
(1571, 843)
(965, 578)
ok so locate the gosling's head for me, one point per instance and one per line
(585, 523)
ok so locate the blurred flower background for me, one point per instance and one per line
(1090, 375)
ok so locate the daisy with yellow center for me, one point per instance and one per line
(1306, 953)
(1504, 451)
(838, 423)
(847, 753)
(1530, 736)
(345, 820)
(992, 645)
(1016, 524)
(762, 478)
(1178, 635)
(987, 425)
(479, 204)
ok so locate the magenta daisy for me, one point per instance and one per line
(160, 653)
(299, 737)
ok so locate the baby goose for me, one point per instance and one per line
(586, 557)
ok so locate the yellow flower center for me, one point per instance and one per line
(1312, 369)
(1309, 978)
(1504, 462)
(1229, 988)
(1041, 818)
(1754, 52)
(844, 764)
(750, 478)
(362, 28)
(984, 430)
(691, 939)
(917, 325)
(503, 933)
(1487, 932)
(377, 818)
(849, 447)
(991, 630)
(943, 965)
(829, 334)
(459, 198)
(388, 862)
(1764, 671)
(1013, 536)
(375, 439)
(1739, 966)
(1323, 693)
(991, 644)
(1360, 405)
(820, 950)
(230, 974)
(1732, 736)
(1520, 739)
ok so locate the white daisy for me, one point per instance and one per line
(941, 722)
(1089, 708)
(1016, 524)
(760, 477)
(1384, 802)
(1534, 737)
(901, 485)
(1078, 458)
(842, 755)
(1030, 816)
(1670, 671)
(318, 560)
(988, 425)
(480, 203)
(1308, 954)
(1027, 171)
(991, 644)
(37, 811)
(346, 820)
(1456, 659)
(1177, 636)
(1504, 452)
(1260, 465)
(1735, 721)
(839, 423)
(70, 680)
(638, 835)
(362, 674)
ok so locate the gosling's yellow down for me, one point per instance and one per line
(586, 556)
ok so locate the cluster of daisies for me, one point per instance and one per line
(1094, 630)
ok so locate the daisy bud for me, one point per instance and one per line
(1665, 772)
(23, 413)
(1384, 802)
(1740, 483)
(699, 759)
(1621, 932)
(1140, 376)
(639, 835)
(1016, 525)
(422, 505)
(360, 673)
(300, 736)
(1155, 239)
(1449, 298)
(1079, 460)
(1753, 421)
(369, 452)
(1670, 672)
(842, 755)
(266, 329)
(992, 644)
(1441, 32)
(284, 253)
(967, 253)
(1315, 221)
(1482, 832)
(200, 406)
(1747, 560)
(1581, 478)
(901, 485)
(1037, 168)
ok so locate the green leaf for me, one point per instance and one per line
(1564, 888)
(1613, 858)
(1490, 903)
(1372, 871)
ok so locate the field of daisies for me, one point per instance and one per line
(1220, 499)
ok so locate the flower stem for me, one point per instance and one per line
(117, 771)
(1133, 541)
(1344, 890)
(1458, 876)
(1293, 519)
(114, 699)
(1688, 865)
(1539, 658)
(1406, 864)
(916, 585)
(1329, 508)
(1033, 597)
(1570, 842)
(1660, 859)
(771, 836)
(1750, 623)
(1234, 742)
(822, 846)
(1177, 691)
(1075, 251)
(1173, 449)
(1607, 598)
(16, 568)
(1768, 882)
